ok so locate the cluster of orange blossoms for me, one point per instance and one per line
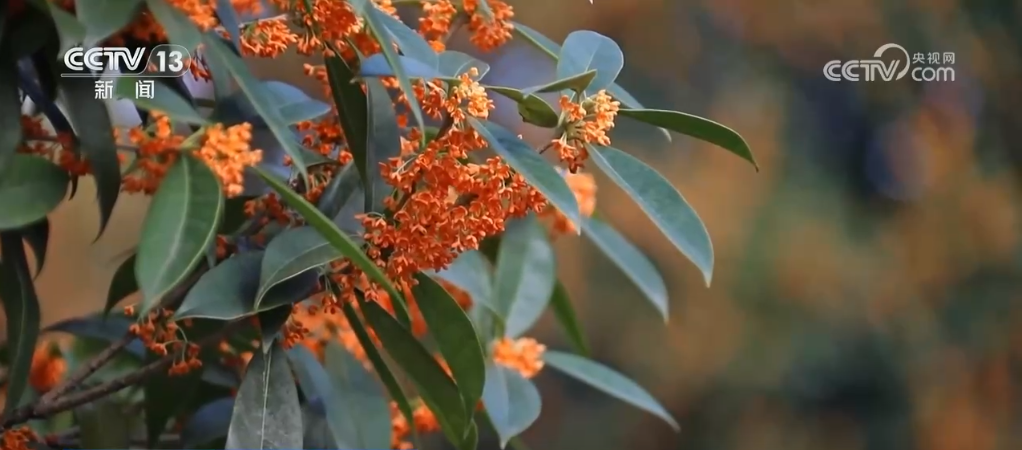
(442, 205)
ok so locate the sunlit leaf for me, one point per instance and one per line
(266, 412)
(661, 202)
(290, 254)
(178, 228)
(630, 260)
(532, 108)
(525, 277)
(697, 127)
(608, 381)
(512, 402)
(31, 188)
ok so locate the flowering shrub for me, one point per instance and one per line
(401, 222)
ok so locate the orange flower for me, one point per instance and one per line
(490, 29)
(48, 368)
(19, 438)
(583, 185)
(523, 354)
(227, 153)
(586, 122)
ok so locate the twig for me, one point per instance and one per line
(101, 359)
(75, 399)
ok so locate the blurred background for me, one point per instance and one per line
(867, 280)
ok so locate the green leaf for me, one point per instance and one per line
(608, 381)
(164, 100)
(103, 424)
(178, 228)
(439, 391)
(228, 291)
(577, 83)
(208, 423)
(266, 411)
(88, 115)
(103, 18)
(536, 170)
(512, 402)
(532, 108)
(553, 50)
(588, 50)
(470, 272)
(31, 188)
(342, 187)
(10, 117)
(122, 285)
(452, 64)
(21, 307)
(375, 21)
(661, 202)
(566, 316)
(338, 239)
(37, 235)
(455, 336)
(179, 27)
(630, 260)
(293, 104)
(384, 143)
(166, 396)
(291, 253)
(71, 31)
(272, 321)
(379, 365)
(378, 66)
(235, 216)
(261, 98)
(355, 389)
(697, 127)
(525, 276)
(410, 42)
(353, 112)
(229, 19)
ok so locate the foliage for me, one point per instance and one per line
(386, 265)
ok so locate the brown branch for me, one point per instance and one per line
(106, 355)
(40, 410)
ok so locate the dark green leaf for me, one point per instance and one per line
(208, 423)
(553, 50)
(355, 389)
(588, 50)
(31, 188)
(512, 402)
(10, 116)
(293, 104)
(164, 100)
(379, 365)
(525, 276)
(630, 260)
(21, 307)
(565, 313)
(37, 235)
(532, 108)
(526, 161)
(697, 127)
(470, 272)
(122, 285)
(384, 143)
(165, 397)
(291, 253)
(272, 321)
(608, 381)
(339, 191)
(455, 336)
(234, 215)
(228, 291)
(452, 64)
(229, 19)
(178, 228)
(353, 112)
(338, 239)
(293, 113)
(179, 27)
(266, 411)
(438, 390)
(103, 18)
(577, 83)
(661, 202)
(375, 21)
(103, 424)
(106, 329)
(261, 98)
(71, 31)
(89, 117)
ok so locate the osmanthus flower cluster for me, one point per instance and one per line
(391, 244)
